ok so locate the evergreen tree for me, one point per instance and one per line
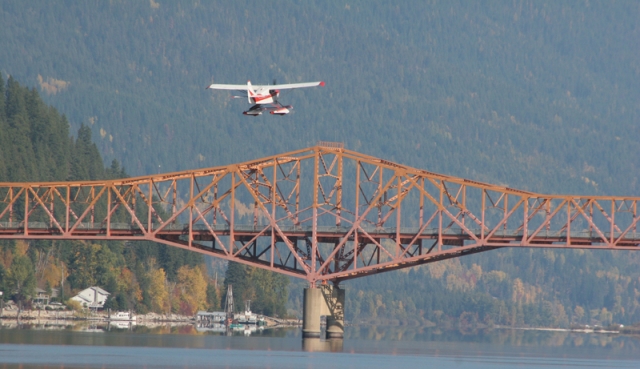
(21, 279)
(86, 162)
(212, 298)
(21, 159)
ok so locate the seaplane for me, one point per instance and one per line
(264, 97)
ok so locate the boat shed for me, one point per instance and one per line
(211, 316)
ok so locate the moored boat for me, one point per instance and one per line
(122, 316)
(247, 317)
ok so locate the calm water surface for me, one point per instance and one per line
(363, 347)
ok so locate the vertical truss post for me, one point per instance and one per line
(613, 215)
(591, 216)
(68, 210)
(356, 243)
(337, 257)
(483, 207)
(274, 186)
(174, 200)
(506, 211)
(314, 227)
(440, 217)
(215, 199)
(635, 217)
(381, 198)
(339, 191)
(548, 215)
(398, 211)
(464, 205)
(525, 222)
(255, 214)
(133, 203)
(93, 207)
(26, 210)
(568, 223)
(108, 212)
(297, 219)
(421, 215)
(232, 234)
(10, 205)
(51, 216)
(256, 188)
(192, 203)
(149, 207)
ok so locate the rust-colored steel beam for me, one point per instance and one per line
(321, 213)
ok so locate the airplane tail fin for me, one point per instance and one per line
(250, 92)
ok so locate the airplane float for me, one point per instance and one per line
(264, 97)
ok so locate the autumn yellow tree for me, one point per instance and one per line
(157, 290)
(192, 290)
(578, 313)
(129, 285)
(518, 291)
(52, 274)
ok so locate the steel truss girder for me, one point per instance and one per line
(321, 213)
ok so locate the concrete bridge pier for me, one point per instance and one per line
(324, 300)
(334, 298)
(312, 309)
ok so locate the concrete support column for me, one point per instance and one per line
(328, 301)
(313, 303)
(334, 297)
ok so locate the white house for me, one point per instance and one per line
(92, 297)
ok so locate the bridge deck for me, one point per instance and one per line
(40, 230)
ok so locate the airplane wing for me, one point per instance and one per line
(289, 86)
(228, 87)
(265, 87)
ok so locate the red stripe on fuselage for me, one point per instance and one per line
(259, 98)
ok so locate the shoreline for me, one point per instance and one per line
(73, 316)
(57, 317)
(66, 317)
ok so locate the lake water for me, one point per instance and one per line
(363, 347)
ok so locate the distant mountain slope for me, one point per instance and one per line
(538, 95)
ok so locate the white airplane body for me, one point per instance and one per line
(265, 97)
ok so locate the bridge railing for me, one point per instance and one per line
(337, 232)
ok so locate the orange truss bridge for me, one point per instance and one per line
(322, 214)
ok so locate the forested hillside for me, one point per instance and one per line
(537, 95)
(35, 145)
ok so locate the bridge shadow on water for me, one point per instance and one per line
(323, 345)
